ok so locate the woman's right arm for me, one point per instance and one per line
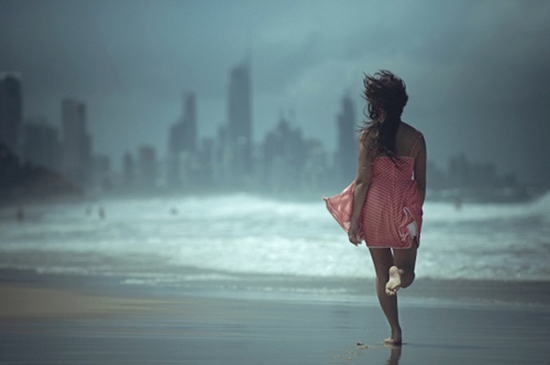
(420, 169)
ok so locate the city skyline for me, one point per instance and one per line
(285, 161)
(73, 126)
(187, 164)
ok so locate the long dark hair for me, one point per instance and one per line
(386, 96)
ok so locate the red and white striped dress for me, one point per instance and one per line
(392, 211)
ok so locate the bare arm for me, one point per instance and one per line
(362, 183)
(420, 169)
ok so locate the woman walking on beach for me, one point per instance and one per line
(389, 192)
(383, 206)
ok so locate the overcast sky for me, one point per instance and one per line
(477, 72)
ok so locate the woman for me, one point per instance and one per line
(383, 206)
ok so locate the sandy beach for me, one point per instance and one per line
(54, 319)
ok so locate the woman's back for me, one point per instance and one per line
(405, 139)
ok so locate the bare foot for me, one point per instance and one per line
(394, 283)
(393, 341)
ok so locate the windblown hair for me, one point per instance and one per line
(386, 96)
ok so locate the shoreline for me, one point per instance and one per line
(424, 291)
(527, 195)
(52, 318)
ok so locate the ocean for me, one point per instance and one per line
(249, 243)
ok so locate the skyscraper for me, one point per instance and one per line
(190, 122)
(182, 138)
(128, 169)
(76, 142)
(183, 134)
(148, 167)
(346, 155)
(285, 154)
(41, 144)
(10, 109)
(239, 109)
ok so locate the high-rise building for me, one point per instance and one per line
(183, 134)
(182, 138)
(223, 156)
(239, 109)
(128, 167)
(285, 154)
(148, 167)
(10, 109)
(76, 142)
(346, 156)
(189, 121)
(41, 144)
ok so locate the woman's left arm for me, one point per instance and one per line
(361, 187)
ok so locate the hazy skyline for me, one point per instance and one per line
(476, 71)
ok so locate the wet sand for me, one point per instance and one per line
(63, 320)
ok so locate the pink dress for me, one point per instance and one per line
(392, 211)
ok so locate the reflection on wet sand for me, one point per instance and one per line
(395, 355)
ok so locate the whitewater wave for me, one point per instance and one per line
(159, 240)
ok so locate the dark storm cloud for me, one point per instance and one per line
(113, 47)
(55, 47)
(475, 70)
(502, 91)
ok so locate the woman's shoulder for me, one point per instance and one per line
(409, 139)
(410, 130)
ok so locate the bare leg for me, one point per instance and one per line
(383, 261)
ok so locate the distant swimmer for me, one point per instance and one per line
(101, 213)
(174, 211)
